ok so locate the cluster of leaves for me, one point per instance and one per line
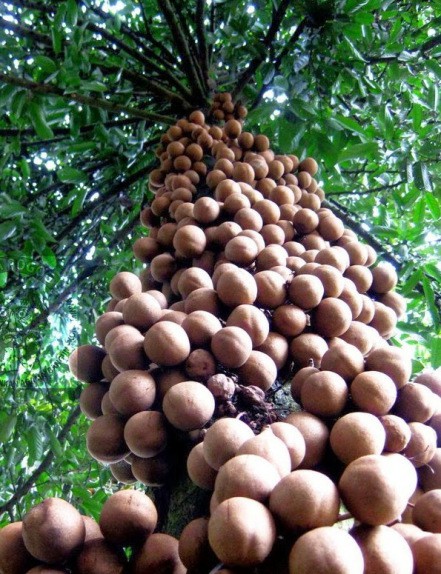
(86, 89)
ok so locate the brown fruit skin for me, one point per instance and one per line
(14, 557)
(306, 291)
(241, 532)
(430, 379)
(247, 475)
(308, 347)
(166, 344)
(128, 517)
(251, 320)
(122, 472)
(132, 391)
(305, 499)
(105, 439)
(124, 284)
(397, 433)
(357, 434)
(145, 433)
(427, 511)
(231, 346)
(259, 370)
(315, 433)
(384, 550)
(293, 439)
(427, 554)
(391, 361)
(324, 394)
(345, 360)
(374, 392)
(236, 287)
(188, 405)
(422, 444)
(100, 557)
(158, 555)
(370, 490)
(223, 439)
(152, 471)
(199, 471)
(332, 317)
(194, 549)
(326, 550)
(269, 446)
(53, 530)
(90, 399)
(384, 278)
(415, 403)
(85, 363)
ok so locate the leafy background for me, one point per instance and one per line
(86, 90)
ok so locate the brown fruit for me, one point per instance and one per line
(415, 403)
(308, 349)
(124, 284)
(188, 405)
(427, 511)
(166, 344)
(315, 434)
(305, 499)
(241, 532)
(126, 349)
(53, 530)
(289, 320)
(122, 472)
(384, 550)
(332, 317)
(194, 548)
(106, 322)
(132, 391)
(246, 475)
(370, 489)
(374, 392)
(153, 471)
(306, 291)
(345, 360)
(251, 320)
(270, 447)
(223, 440)
(145, 433)
(422, 444)
(85, 363)
(200, 327)
(199, 471)
(128, 517)
(231, 346)
(105, 439)
(384, 278)
(158, 555)
(324, 394)
(90, 399)
(236, 287)
(397, 433)
(427, 554)
(100, 557)
(259, 370)
(357, 434)
(393, 362)
(326, 550)
(141, 311)
(14, 557)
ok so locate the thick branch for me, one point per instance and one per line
(267, 41)
(21, 30)
(43, 466)
(183, 48)
(165, 52)
(51, 90)
(366, 191)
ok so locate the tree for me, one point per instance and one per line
(87, 90)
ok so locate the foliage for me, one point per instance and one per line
(87, 88)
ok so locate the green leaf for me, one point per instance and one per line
(435, 352)
(71, 17)
(7, 425)
(12, 208)
(349, 124)
(49, 257)
(71, 175)
(38, 119)
(366, 150)
(34, 441)
(94, 86)
(421, 176)
(3, 279)
(7, 230)
(433, 205)
(430, 300)
(46, 64)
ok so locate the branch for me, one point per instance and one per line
(356, 226)
(278, 61)
(367, 191)
(43, 466)
(165, 52)
(184, 50)
(200, 30)
(13, 132)
(20, 30)
(267, 41)
(51, 90)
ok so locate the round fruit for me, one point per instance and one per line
(241, 532)
(357, 434)
(188, 405)
(166, 344)
(145, 433)
(85, 363)
(14, 557)
(223, 439)
(324, 394)
(374, 392)
(53, 530)
(199, 471)
(158, 554)
(128, 517)
(100, 557)
(231, 346)
(105, 439)
(132, 391)
(326, 550)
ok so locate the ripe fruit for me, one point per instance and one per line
(188, 405)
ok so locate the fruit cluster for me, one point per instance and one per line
(54, 538)
(249, 280)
